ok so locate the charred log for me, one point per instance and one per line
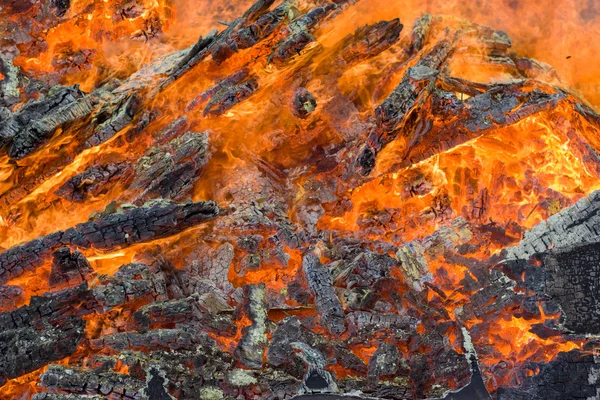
(109, 385)
(420, 32)
(392, 113)
(121, 115)
(92, 182)
(156, 339)
(326, 300)
(24, 350)
(497, 107)
(37, 121)
(384, 362)
(116, 230)
(564, 276)
(170, 171)
(571, 375)
(316, 379)
(370, 40)
(69, 268)
(220, 86)
(303, 103)
(251, 347)
(227, 98)
(574, 225)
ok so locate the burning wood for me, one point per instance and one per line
(122, 228)
(92, 182)
(328, 304)
(406, 213)
(254, 338)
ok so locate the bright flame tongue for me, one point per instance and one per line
(503, 180)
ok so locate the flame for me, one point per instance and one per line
(511, 177)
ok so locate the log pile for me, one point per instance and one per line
(283, 210)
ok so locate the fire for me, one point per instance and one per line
(288, 179)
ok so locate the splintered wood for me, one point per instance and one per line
(298, 204)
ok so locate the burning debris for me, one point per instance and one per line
(290, 208)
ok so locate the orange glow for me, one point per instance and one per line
(270, 166)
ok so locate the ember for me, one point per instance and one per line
(315, 199)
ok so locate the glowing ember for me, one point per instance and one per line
(261, 200)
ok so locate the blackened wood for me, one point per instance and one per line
(475, 390)
(291, 47)
(257, 9)
(61, 396)
(384, 390)
(391, 114)
(316, 379)
(291, 330)
(35, 110)
(326, 300)
(571, 375)
(572, 279)
(196, 54)
(8, 295)
(34, 124)
(369, 267)
(203, 310)
(222, 85)
(461, 85)
(170, 171)
(414, 255)
(106, 109)
(253, 343)
(116, 230)
(169, 311)
(52, 306)
(122, 114)
(281, 353)
(500, 106)
(260, 28)
(404, 97)
(566, 278)
(243, 32)
(68, 267)
(420, 32)
(110, 385)
(303, 103)
(347, 359)
(114, 292)
(174, 129)
(574, 225)
(155, 339)
(24, 349)
(208, 274)
(367, 320)
(370, 40)
(92, 182)
(9, 90)
(385, 361)
(299, 34)
(228, 97)
(366, 42)
(241, 35)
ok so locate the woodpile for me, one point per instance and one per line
(236, 220)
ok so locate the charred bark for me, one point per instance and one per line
(326, 300)
(253, 343)
(68, 268)
(92, 182)
(393, 112)
(116, 230)
(170, 171)
(23, 350)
